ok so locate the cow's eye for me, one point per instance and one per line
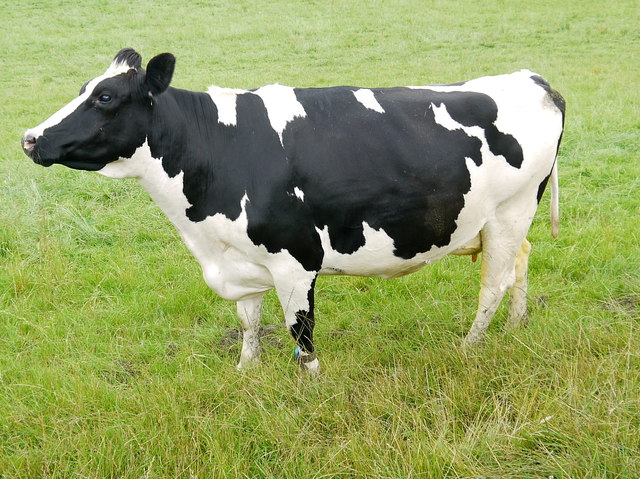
(104, 98)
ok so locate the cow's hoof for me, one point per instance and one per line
(245, 364)
(517, 322)
(308, 362)
(312, 368)
(472, 340)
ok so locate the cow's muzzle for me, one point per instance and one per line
(29, 144)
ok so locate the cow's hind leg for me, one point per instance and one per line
(502, 243)
(518, 292)
(296, 298)
(250, 313)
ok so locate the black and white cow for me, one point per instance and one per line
(270, 188)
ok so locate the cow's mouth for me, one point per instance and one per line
(34, 151)
(29, 148)
(28, 144)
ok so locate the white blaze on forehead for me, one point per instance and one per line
(225, 101)
(117, 68)
(298, 192)
(55, 119)
(282, 106)
(368, 99)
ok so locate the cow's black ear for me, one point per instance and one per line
(159, 72)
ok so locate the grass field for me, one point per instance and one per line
(116, 361)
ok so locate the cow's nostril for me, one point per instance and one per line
(28, 142)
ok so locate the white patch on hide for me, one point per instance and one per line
(368, 99)
(225, 101)
(443, 118)
(523, 112)
(374, 258)
(282, 106)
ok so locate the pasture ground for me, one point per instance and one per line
(116, 361)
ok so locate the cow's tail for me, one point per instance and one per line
(561, 105)
(555, 203)
(555, 189)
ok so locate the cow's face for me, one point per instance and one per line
(108, 121)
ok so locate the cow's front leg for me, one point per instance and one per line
(250, 313)
(296, 298)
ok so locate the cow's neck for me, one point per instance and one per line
(186, 137)
(183, 130)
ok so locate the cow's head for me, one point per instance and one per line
(108, 121)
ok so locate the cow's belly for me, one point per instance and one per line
(377, 258)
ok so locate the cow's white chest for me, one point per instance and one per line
(232, 265)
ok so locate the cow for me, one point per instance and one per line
(272, 187)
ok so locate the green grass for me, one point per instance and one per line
(115, 359)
